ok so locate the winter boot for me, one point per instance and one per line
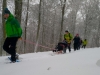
(17, 56)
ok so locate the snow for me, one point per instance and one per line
(81, 62)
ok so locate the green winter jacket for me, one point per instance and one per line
(12, 27)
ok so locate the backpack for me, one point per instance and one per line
(69, 36)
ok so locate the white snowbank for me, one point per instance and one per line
(98, 63)
(82, 62)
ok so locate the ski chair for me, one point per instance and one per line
(59, 47)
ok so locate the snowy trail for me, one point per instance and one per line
(82, 62)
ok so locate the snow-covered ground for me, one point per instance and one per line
(82, 62)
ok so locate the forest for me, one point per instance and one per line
(44, 22)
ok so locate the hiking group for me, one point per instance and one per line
(66, 43)
(14, 32)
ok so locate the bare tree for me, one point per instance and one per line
(18, 9)
(38, 28)
(63, 4)
(26, 21)
(4, 5)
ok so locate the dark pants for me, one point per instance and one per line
(64, 50)
(10, 46)
(68, 46)
(79, 46)
(84, 46)
(76, 46)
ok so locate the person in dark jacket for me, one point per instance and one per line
(13, 32)
(60, 47)
(76, 42)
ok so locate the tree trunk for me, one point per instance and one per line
(62, 20)
(4, 4)
(26, 25)
(18, 9)
(38, 28)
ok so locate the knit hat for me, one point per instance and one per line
(77, 34)
(66, 31)
(6, 11)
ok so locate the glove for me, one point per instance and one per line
(20, 38)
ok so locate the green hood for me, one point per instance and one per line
(12, 27)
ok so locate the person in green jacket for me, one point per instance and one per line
(84, 43)
(68, 38)
(13, 32)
